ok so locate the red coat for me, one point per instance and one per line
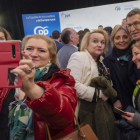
(3, 94)
(55, 106)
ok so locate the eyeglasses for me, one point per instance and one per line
(135, 25)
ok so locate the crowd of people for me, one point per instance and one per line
(89, 73)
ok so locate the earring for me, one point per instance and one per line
(49, 63)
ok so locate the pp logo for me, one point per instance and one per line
(41, 30)
(117, 8)
(65, 15)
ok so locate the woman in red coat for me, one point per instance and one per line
(5, 98)
(49, 100)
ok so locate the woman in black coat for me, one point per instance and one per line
(124, 73)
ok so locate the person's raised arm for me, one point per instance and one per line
(26, 71)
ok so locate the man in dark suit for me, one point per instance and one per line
(57, 36)
(70, 39)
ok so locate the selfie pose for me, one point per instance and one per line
(85, 66)
(49, 101)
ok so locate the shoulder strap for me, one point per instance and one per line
(80, 132)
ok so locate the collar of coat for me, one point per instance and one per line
(89, 55)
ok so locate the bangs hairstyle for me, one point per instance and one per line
(137, 45)
(51, 45)
(115, 30)
(85, 40)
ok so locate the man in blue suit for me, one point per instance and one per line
(57, 36)
(70, 39)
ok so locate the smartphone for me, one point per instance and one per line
(119, 111)
(10, 55)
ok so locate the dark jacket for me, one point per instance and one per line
(112, 63)
(124, 130)
(58, 45)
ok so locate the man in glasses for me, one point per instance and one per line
(133, 23)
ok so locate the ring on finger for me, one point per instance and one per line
(30, 69)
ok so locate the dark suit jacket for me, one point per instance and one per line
(64, 55)
(112, 63)
(58, 45)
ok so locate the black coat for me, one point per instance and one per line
(112, 63)
(58, 45)
(125, 130)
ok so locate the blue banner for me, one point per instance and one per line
(43, 23)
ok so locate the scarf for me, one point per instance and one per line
(20, 121)
(136, 94)
(41, 71)
(20, 115)
(123, 56)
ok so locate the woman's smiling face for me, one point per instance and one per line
(136, 56)
(121, 39)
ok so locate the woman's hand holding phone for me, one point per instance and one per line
(26, 71)
(129, 117)
(23, 70)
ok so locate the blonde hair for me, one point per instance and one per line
(115, 30)
(85, 40)
(137, 45)
(51, 45)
